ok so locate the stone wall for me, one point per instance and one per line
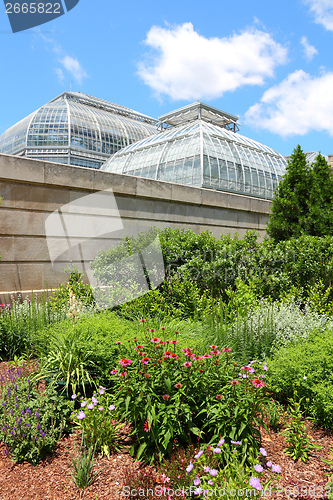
(31, 190)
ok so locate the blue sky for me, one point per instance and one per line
(268, 61)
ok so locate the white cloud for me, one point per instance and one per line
(322, 11)
(190, 66)
(60, 75)
(74, 68)
(309, 50)
(71, 64)
(299, 104)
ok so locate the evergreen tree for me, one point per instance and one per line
(303, 199)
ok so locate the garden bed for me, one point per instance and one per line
(51, 479)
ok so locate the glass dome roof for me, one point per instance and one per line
(201, 150)
(77, 129)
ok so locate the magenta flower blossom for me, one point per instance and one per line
(196, 482)
(187, 364)
(198, 455)
(113, 372)
(101, 408)
(125, 362)
(269, 464)
(217, 450)
(210, 482)
(74, 396)
(90, 406)
(145, 360)
(206, 468)
(276, 468)
(213, 472)
(111, 407)
(155, 340)
(101, 390)
(81, 415)
(263, 452)
(189, 468)
(258, 468)
(94, 400)
(83, 404)
(258, 383)
(255, 483)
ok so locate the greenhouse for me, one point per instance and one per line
(76, 129)
(198, 145)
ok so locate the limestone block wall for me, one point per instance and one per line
(31, 190)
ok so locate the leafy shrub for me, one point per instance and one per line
(168, 395)
(83, 292)
(306, 367)
(31, 423)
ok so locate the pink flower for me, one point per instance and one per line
(263, 452)
(258, 383)
(226, 349)
(234, 382)
(258, 468)
(145, 360)
(276, 468)
(118, 342)
(163, 327)
(145, 427)
(269, 464)
(215, 352)
(155, 340)
(173, 341)
(139, 347)
(167, 354)
(187, 364)
(173, 356)
(205, 356)
(81, 415)
(123, 374)
(125, 362)
(255, 483)
(142, 320)
(113, 372)
(190, 354)
(213, 346)
(219, 397)
(178, 386)
(166, 396)
(189, 467)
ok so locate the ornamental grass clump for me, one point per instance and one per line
(96, 420)
(31, 423)
(170, 394)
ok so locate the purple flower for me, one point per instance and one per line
(36, 438)
(83, 404)
(269, 464)
(5, 451)
(189, 467)
(74, 396)
(22, 412)
(101, 390)
(217, 450)
(221, 442)
(210, 482)
(264, 367)
(81, 415)
(196, 482)
(255, 483)
(101, 408)
(111, 407)
(263, 452)
(94, 400)
(213, 472)
(27, 425)
(236, 442)
(198, 491)
(90, 406)
(276, 468)
(37, 415)
(258, 468)
(12, 433)
(198, 455)
(4, 403)
(42, 433)
(206, 468)
(23, 435)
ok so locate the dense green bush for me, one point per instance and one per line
(83, 292)
(215, 265)
(307, 368)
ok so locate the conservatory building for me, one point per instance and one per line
(198, 145)
(76, 129)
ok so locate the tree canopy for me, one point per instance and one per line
(303, 199)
